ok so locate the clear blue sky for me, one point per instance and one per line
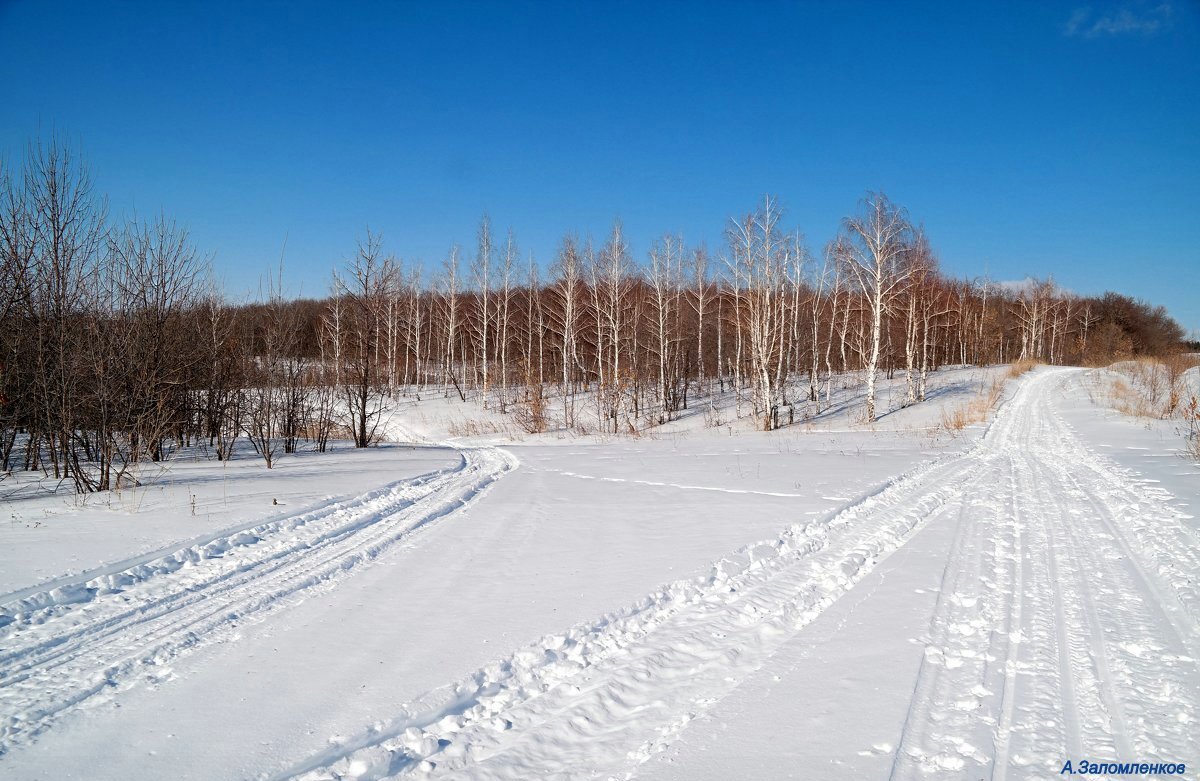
(1031, 138)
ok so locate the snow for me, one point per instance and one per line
(1059, 622)
(701, 602)
(47, 533)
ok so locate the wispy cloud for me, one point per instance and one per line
(1027, 285)
(1136, 19)
(1017, 286)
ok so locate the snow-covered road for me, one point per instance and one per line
(1065, 626)
(992, 613)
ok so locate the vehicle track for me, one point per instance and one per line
(1101, 643)
(61, 647)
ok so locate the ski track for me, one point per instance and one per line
(1066, 626)
(79, 642)
(1092, 647)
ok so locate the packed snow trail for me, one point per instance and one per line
(61, 646)
(1066, 626)
(1067, 622)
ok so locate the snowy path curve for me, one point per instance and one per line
(63, 646)
(1059, 559)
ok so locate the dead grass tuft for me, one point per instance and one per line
(531, 412)
(1150, 387)
(1156, 388)
(1191, 428)
(1020, 367)
(473, 427)
(975, 410)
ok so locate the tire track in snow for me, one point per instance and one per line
(971, 571)
(577, 700)
(61, 647)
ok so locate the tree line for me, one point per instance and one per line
(117, 347)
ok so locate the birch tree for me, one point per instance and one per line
(665, 259)
(567, 291)
(759, 265)
(700, 297)
(875, 254)
(482, 270)
(503, 313)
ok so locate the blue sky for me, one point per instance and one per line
(1030, 138)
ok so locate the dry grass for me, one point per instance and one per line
(1124, 399)
(473, 427)
(1020, 367)
(1191, 428)
(975, 410)
(1150, 387)
(531, 412)
(1156, 388)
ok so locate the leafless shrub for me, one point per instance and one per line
(1177, 366)
(712, 416)
(1190, 412)
(530, 412)
(1149, 387)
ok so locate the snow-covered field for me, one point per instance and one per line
(705, 601)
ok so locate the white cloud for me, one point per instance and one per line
(1014, 285)
(1136, 19)
(1028, 285)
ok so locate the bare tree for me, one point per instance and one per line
(759, 265)
(665, 259)
(117, 350)
(875, 255)
(482, 271)
(221, 374)
(567, 292)
(19, 242)
(451, 316)
(369, 284)
(1035, 300)
(159, 274)
(70, 234)
(700, 297)
(503, 313)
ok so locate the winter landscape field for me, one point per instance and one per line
(673, 391)
(704, 602)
